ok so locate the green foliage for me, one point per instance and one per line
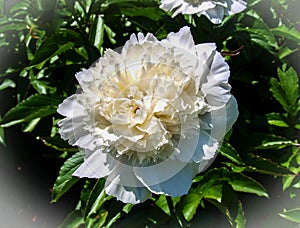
(46, 42)
(65, 180)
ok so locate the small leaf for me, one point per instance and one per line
(262, 165)
(287, 181)
(277, 119)
(7, 83)
(65, 180)
(243, 183)
(36, 106)
(2, 135)
(289, 33)
(190, 205)
(286, 89)
(229, 152)
(48, 49)
(74, 220)
(275, 145)
(96, 198)
(240, 220)
(162, 203)
(291, 215)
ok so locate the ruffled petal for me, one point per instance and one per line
(97, 165)
(177, 184)
(123, 184)
(127, 194)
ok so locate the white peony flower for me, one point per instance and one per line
(151, 117)
(214, 10)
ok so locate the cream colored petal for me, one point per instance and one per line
(97, 165)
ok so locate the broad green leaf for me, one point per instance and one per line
(162, 203)
(97, 32)
(214, 190)
(240, 220)
(225, 211)
(277, 119)
(262, 35)
(286, 51)
(277, 145)
(229, 152)
(48, 49)
(289, 33)
(65, 180)
(96, 198)
(150, 12)
(190, 205)
(286, 89)
(289, 83)
(31, 125)
(74, 220)
(291, 215)
(259, 164)
(7, 83)
(11, 25)
(242, 183)
(36, 106)
(287, 181)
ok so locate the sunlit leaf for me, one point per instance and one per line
(65, 180)
(229, 152)
(74, 220)
(7, 83)
(36, 106)
(240, 220)
(277, 119)
(190, 205)
(243, 183)
(291, 215)
(286, 32)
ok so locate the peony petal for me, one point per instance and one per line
(127, 194)
(177, 184)
(182, 39)
(123, 184)
(237, 6)
(69, 105)
(97, 165)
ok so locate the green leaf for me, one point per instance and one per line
(262, 165)
(96, 198)
(277, 119)
(74, 220)
(286, 89)
(65, 180)
(289, 83)
(57, 143)
(48, 49)
(262, 35)
(291, 215)
(289, 33)
(36, 106)
(152, 13)
(275, 145)
(242, 183)
(287, 181)
(162, 203)
(229, 152)
(240, 220)
(190, 205)
(7, 83)
(97, 32)
(2, 135)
